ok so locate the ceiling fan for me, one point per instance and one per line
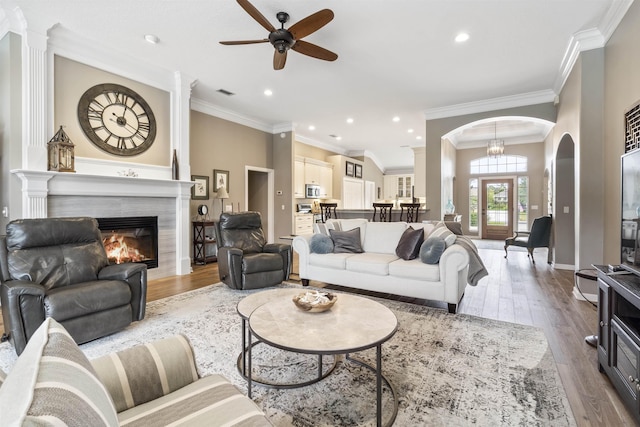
(284, 39)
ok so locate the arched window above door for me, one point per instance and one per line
(502, 164)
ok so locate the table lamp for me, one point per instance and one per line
(221, 193)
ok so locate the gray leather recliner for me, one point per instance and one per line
(245, 259)
(58, 267)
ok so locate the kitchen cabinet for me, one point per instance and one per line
(298, 179)
(302, 224)
(398, 186)
(312, 171)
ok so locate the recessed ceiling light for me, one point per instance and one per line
(462, 37)
(312, 127)
(418, 137)
(151, 38)
(349, 120)
(410, 130)
(396, 119)
(339, 138)
(268, 92)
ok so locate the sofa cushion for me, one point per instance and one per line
(81, 299)
(383, 237)
(409, 244)
(211, 400)
(53, 384)
(346, 241)
(334, 261)
(350, 224)
(415, 269)
(445, 233)
(146, 372)
(370, 263)
(432, 249)
(320, 244)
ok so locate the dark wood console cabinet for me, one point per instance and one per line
(619, 334)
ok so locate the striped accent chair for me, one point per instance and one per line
(153, 384)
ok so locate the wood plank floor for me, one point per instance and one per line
(515, 291)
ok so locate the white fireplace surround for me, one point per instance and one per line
(48, 194)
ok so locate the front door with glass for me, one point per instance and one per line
(497, 209)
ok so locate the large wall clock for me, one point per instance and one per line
(116, 119)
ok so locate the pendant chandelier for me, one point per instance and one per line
(495, 147)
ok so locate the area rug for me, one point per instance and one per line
(448, 370)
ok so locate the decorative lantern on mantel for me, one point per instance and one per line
(60, 152)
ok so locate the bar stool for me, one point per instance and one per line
(413, 210)
(385, 212)
(328, 210)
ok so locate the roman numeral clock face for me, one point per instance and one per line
(117, 119)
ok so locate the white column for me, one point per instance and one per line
(34, 96)
(35, 188)
(180, 141)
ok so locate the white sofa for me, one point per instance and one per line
(379, 269)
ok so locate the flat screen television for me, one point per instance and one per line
(630, 245)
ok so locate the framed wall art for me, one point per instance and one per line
(358, 171)
(349, 170)
(200, 190)
(220, 179)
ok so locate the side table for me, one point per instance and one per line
(203, 237)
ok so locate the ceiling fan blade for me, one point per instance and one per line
(255, 14)
(311, 23)
(279, 59)
(314, 51)
(244, 42)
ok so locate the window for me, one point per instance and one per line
(502, 164)
(523, 203)
(473, 204)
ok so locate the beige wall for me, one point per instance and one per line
(72, 79)
(220, 144)
(622, 90)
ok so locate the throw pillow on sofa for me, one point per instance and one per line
(346, 241)
(432, 249)
(53, 383)
(445, 233)
(320, 244)
(409, 245)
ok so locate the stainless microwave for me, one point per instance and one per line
(311, 191)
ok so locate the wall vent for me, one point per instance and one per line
(225, 92)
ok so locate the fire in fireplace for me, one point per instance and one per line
(130, 239)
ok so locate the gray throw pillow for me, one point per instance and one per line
(409, 244)
(455, 227)
(432, 249)
(346, 241)
(321, 244)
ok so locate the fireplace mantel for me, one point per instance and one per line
(37, 186)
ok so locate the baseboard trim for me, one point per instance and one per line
(564, 266)
(587, 297)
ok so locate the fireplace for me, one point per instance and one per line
(130, 239)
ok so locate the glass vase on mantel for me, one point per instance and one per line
(174, 166)
(449, 208)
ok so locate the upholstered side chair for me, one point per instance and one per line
(58, 268)
(245, 259)
(538, 237)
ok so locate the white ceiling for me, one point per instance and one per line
(396, 58)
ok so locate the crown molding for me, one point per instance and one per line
(315, 143)
(512, 101)
(232, 116)
(370, 155)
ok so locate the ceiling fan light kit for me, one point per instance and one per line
(284, 39)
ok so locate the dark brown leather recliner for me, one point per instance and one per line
(245, 259)
(58, 267)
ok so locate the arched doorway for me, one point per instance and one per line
(564, 205)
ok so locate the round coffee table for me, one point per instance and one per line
(353, 324)
(245, 307)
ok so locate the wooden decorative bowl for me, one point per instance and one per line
(315, 302)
